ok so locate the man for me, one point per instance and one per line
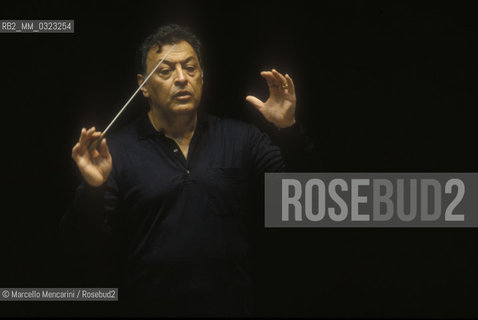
(171, 190)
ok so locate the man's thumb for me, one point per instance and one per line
(255, 102)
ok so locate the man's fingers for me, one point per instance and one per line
(271, 79)
(104, 151)
(75, 151)
(94, 142)
(95, 135)
(290, 84)
(286, 82)
(85, 136)
(83, 141)
(94, 153)
(89, 134)
(78, 155)
(279, 77)
(82, 136)
(255, 102)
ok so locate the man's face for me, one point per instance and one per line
(176, 85)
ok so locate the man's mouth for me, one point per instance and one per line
(183, 95)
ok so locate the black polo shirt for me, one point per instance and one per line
(178, 226)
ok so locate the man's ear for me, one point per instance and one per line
(144, 90)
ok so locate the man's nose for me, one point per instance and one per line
(180, 77)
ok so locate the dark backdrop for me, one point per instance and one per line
(381, 86)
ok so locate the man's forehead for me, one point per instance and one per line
(182, 51)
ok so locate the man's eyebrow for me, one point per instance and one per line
(169, 63)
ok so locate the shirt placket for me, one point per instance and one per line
(185, 163)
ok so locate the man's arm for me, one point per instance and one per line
(87, 214)
(86, 226)
(297, 149)
(85, 229)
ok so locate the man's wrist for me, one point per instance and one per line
(287, 125)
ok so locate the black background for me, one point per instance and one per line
(381, 86)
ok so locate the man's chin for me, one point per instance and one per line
(183, 108)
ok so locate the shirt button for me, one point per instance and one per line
(175, 150)
(188, 172)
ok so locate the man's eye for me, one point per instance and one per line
(165, 72)
(190, 68)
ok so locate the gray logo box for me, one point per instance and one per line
(371, 200)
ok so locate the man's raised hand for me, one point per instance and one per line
(280, 106)
(95, 166)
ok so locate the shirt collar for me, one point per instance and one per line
(145, 129)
